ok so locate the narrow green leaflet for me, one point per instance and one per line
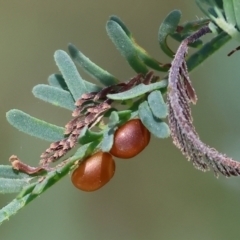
(155, 125)
(142, 54)
(124, 116)
(125, 46)
(69, 71)
(193, 26)
(168, 26)
(203, 6)
(13, 207)
(6, 171)
(179, 37)
(8, 185)
(12, 181)
(138, 91)
(56, 80)
(94, 70)
(118, 117)
(108, 135)
(91, 87)
(207, 6)
(113, 119)
(122, 25)
(48, 181)
(26, 190)
(150, 61)
(229, 11)
(157, 104)
(34, 126)
(236, 5)
(219, 19)
(207, 50)
(134, 108)
(54, 95)
(108, 138)
(88, 136)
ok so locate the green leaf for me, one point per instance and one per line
(214, 28)
(34, 126)
(229, 11)
(113, 119)
(122, 25)
(12, 181)
(12, 208)
(217, 16)
(125, 46)
(54, 95)
(207, 50)
(178, 37)
(88, 136)
(134, 108)
(48, 181)
(236, 6)
(108, 135)
(8, 185)
(142, 54)
(138, 91)
(26, 190)
(91, 87)
(108, 138)
(56, 80)
(202, 5)
(83, 152)
(6, 171)
(155, 125)
(69, 71)
(157, 104)
(219, 3)
(124, 116)
(208, 6)
(192, 26)
(150, 61)
(91, 68)
(168, 26)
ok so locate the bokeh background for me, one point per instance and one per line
(156, 195)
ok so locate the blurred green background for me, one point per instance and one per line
(156, 195)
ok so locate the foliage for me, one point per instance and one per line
(141, 96)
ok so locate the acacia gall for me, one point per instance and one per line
(94, 172)
(130, 139)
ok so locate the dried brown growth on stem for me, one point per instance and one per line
(90, 109)
(180, 95)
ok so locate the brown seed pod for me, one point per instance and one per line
(130, 139)
(94, 172)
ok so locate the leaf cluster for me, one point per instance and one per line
(92, 128)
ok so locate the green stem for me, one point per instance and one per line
(35, 189)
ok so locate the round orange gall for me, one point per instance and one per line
(130, 139)
(94, 172)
